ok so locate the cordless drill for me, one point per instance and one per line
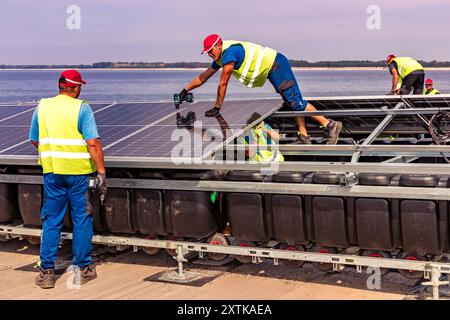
(188, 97)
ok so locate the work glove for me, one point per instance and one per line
(101, 186)
(183, 94)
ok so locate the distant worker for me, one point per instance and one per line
(409, 72)
(252, 65)
(63, 129)
(263, 135)
(429, 88)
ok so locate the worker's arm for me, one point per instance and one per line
(96, 151)
(201, 79)
(227, 70)
(34, 129)
(394, 80)
(273, 134)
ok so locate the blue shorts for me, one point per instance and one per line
(284, 82)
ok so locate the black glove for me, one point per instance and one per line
(101, 186)
(183, 94)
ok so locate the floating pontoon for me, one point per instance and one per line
(379, 198)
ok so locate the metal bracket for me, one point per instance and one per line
(348, 179)
(180, 259)
(435, 282)
(338, 267)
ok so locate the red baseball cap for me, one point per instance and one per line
(390, 57)
(71, 78)
(429, 81)
(210, 41)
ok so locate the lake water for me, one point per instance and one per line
(157, 85)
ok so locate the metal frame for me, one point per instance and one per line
(399, 164)
(432, 270)
(293, 166)
(358, 112)
(266, 187)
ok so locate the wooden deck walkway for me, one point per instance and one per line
(123, 276)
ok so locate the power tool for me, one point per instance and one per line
(189, 97)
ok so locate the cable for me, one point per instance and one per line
(439, 128)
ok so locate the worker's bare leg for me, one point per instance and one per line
(333, 128)
(301, 125)
(320, 119)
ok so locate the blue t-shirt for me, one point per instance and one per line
(86, 124)
(235, 53)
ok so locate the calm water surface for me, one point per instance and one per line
(157, 85)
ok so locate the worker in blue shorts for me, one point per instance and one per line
(252, 65)
(64, 131)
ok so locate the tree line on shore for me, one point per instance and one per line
(191, 65)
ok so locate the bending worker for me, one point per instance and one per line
(409, 72)
(264, 137)
(252, 65)
(63, 129)
(429, 88)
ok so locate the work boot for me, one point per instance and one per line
(302, 139)
(213, 112)
(46, 278)
(86, 274)
(332, 131)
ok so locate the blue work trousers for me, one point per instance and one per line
(60, 191)
(285, 83)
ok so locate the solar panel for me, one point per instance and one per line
(133, 113)
(6, 112)
(209, 133)
(146, 129)
(12, 136)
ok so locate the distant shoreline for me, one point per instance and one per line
(196, 69)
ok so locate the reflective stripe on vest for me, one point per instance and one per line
(257, 63)
(263, 154)
(62, 149)
(406, 66)
(434, 91)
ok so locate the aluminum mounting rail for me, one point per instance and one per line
(358, 112)
(291, 166)
(262, 187)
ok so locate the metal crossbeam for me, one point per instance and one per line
(358, 191)
(358, 112)
(432, 270)
(294, 166)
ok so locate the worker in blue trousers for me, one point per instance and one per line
(253, 65)
(64, 131)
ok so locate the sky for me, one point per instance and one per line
(36, 32)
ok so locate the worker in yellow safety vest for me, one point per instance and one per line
(64, 131)
(409, 72)
(252, 65)
(429, 87)
(263, 136)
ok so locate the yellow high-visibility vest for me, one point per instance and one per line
(406, 66)
(263, 152)
(434, 91)
(257, 63)
(62, 149)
